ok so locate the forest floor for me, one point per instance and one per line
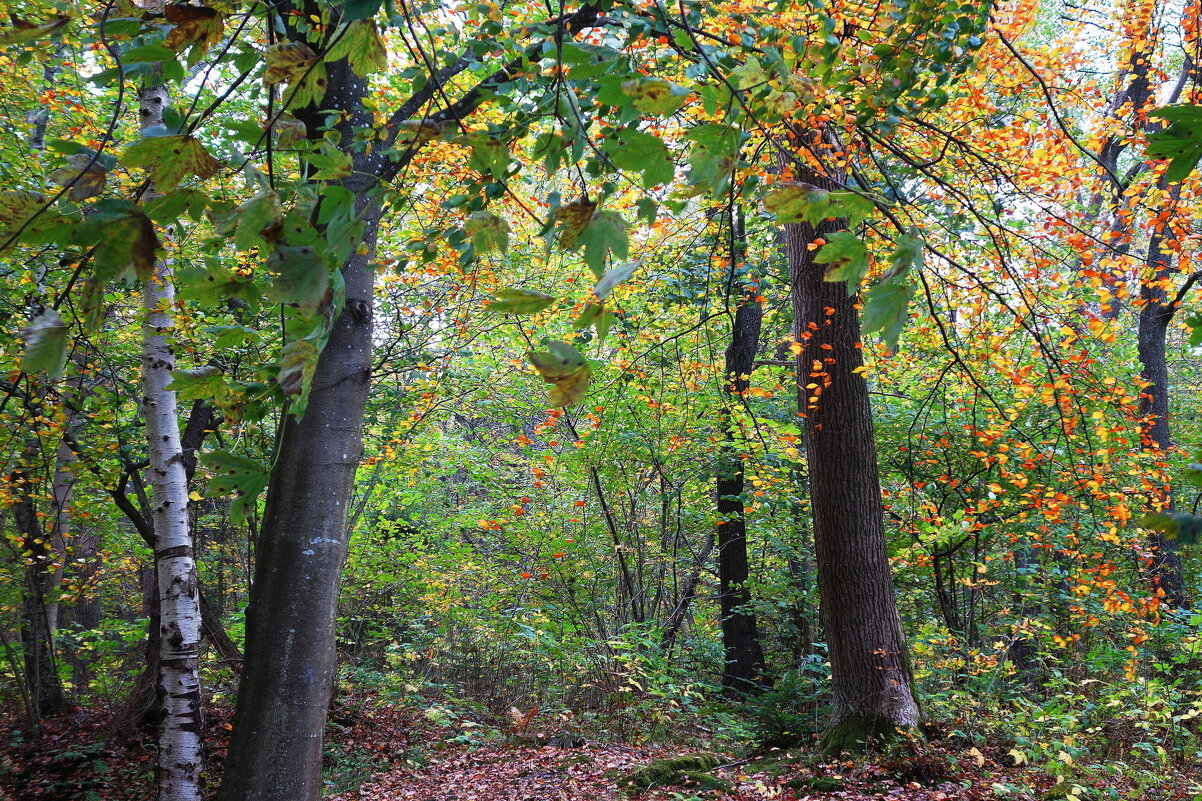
(383, 752)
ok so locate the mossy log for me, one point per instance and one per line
(672, 770)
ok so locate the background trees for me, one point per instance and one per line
(379, 211)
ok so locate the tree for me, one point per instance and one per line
(744, 669)
(871, 682)
(180, 746)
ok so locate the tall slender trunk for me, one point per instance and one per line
(45, 689)
(180, 747)
(872, 685)
(743, 669)
(1157, 309)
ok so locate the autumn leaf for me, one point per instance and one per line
(170, 159)
(196, 27)
(297, 363)
(17, 208)
(83, 174)
(572, 219)
(361, 44)
(287, 61)
(418, 131)
(514, 300)
(565, 368)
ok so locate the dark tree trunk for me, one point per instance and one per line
(872, 693)
(1156, 311)
(743, 668)
(37, 634)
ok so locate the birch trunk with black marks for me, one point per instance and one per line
(180, 745)
(872, 696)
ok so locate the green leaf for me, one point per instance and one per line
(171, 206)
(147, 54)
(489, 156)
(636, 151)
(302, 277)
(1194, 323)
(886, 309)
(202, 383)
(713, 158)
(487, 231)
(513, 300)
(170, 159)
(655, 95)
(849, 257)
(603, 237)
(255, 216)
(329, 163)
(361, 44)
(797, 202)
(124, 237)
(235, 475)
(614, 277)
(852, 207)
(23, 31)
(45, 345)
(1181, 141)
(360, 9)
(1181, 526)
(212, 285)
(907, 253)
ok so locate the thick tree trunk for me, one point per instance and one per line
(872, 693)
(744, 668)
(289, 669)
(180, 748)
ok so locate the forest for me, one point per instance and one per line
(501, 399)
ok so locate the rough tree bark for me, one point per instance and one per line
(180, 756)
(871, 683)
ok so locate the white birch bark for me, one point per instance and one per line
(180, 756)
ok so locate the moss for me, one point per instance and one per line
(857, 735)
(819, 784)
(672, 770)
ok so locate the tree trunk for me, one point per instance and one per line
(45, 689)
(872, 693)
(180, 755)
(1156, 311)
(743, 669)
(275, 752)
